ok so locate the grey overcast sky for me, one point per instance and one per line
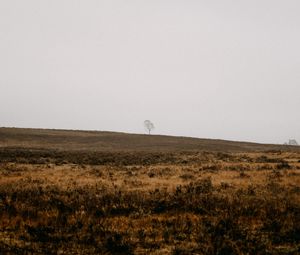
(206, 68)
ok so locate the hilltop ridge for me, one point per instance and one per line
(116, 141)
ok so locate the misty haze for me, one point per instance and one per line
(214, 69)
(150, 127)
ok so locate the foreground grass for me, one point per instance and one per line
(179, 203)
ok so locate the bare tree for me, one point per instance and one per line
(149, 125)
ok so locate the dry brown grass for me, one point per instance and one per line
(179, 203)
(74, 192)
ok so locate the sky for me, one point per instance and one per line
(201, 68)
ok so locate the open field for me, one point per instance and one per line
(62, 196)
(72, 140)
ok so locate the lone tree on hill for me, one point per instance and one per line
(149, 126)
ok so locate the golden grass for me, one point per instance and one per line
(184, 203)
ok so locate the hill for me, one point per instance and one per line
(100, 141)
(83, 192)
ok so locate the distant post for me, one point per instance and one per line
(149, 126)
